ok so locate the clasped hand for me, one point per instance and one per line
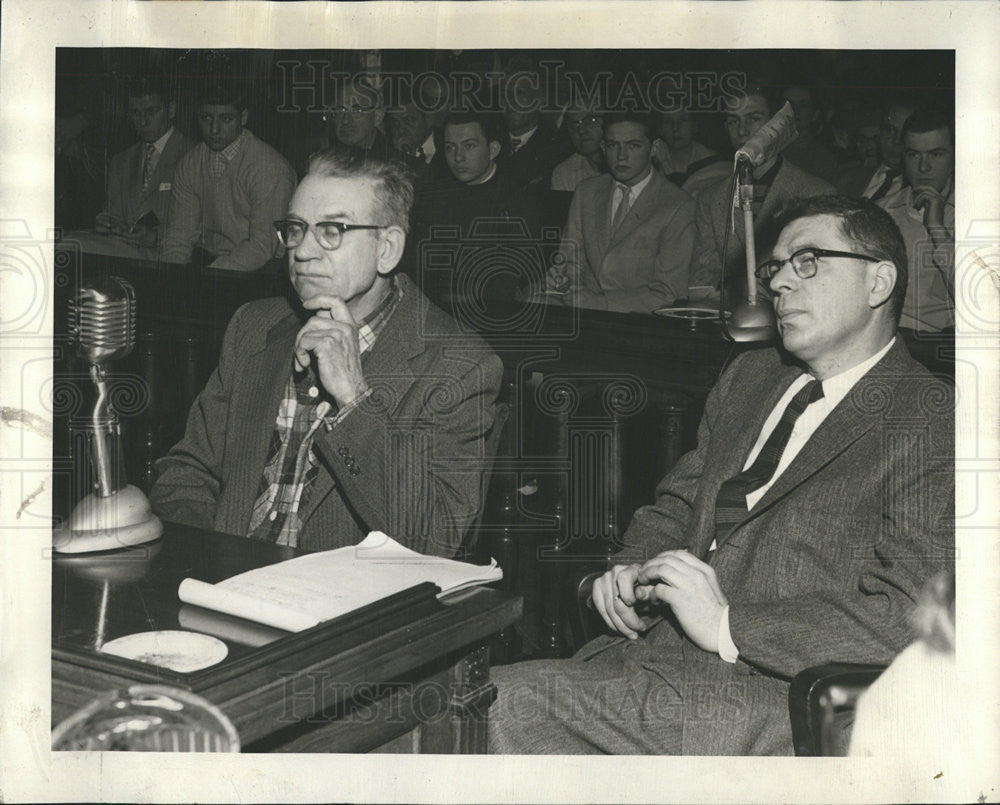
(676, 578)
(330, 338)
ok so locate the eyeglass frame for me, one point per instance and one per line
(817, 252)
(321, 239)
(585, 122)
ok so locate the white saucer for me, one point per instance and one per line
(690, 313)
(179, 651)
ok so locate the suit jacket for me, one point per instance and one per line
(828, 564)
(714, 215)
(126, 199)
(406, 461)
(532, 164)
(644, 264)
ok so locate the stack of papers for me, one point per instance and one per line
(302, 592)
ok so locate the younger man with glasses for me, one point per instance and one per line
(629, 235)
(819, 500)
(227, 190)
(361, 408)
(586, 130)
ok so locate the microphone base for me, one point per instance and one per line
(752, 321)
(107, 523)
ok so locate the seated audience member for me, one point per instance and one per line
(775, 182)
(324, 419)
(628, 238)
(531, 149)
(140, 177)
(924, 211)
(799, 531)
(862, 159)
(806, 151)
(475, 203)
(585, 128)
(683, 160)
(413, 139)
(357, 116)
(887, 178)
(228, 190)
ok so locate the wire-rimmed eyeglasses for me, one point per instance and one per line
(329, 234)
(804, 263)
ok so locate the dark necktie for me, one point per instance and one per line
(890, 177)
(148, 165)
(731, 502)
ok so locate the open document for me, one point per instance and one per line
(302, 592)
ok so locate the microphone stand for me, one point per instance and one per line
(116, 514)
(751, 319)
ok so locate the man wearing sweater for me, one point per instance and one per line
(227, 191)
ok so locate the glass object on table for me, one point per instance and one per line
(147, 718)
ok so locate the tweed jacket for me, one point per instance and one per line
(126, 200)
(714, 215)
(827, 565)
(644, 264)
(406, 461)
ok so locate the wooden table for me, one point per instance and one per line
(407, 674)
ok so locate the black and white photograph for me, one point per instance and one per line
(499, 384)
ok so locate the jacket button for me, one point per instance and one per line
(343, 451)
(355, 470)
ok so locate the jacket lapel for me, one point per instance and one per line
(853, 417)
(600, 215)
(640, 210)
(386, 364)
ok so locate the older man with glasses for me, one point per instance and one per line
(363, 407)
(818, 502)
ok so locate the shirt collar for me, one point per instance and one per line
(837, 387)
(429, 148)
(637, 188)
(233, 148)
(374, 323)
(161, 143)
(522, 139)
(487, 177)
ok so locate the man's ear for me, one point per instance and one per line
(243, 117)
(390, 249)
(658, 150)
(494, 149)
(883, 279)
(171, 110)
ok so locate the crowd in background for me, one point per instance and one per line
(625, 155)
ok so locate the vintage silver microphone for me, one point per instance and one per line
(115, 514)
(752, 319)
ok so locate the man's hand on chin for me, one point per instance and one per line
(689, 586)
(330, 338)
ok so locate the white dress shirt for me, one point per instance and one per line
(834, 390)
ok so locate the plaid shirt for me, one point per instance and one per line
(292, 465)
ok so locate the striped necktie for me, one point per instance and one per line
(148, 165)
(731, 502)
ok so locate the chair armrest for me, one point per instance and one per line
(821, 703)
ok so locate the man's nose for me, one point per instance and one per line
(214, 126)
(309, 248)
(925, 163)
(784, 280)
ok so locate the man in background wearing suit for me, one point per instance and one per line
(628, 237)
(362, 407)
(775, 182)
(141, 176)
(800, 530)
